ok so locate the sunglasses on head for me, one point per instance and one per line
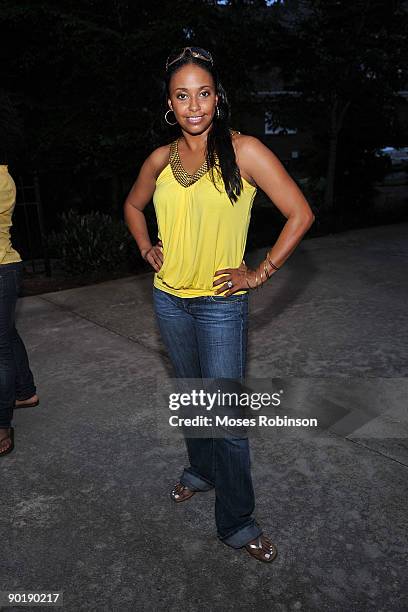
(194, 51)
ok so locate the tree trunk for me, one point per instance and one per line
(336, 123)
(331, 171)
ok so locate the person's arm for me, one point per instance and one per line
(7, 203)
(7, 190)
(139, 196)
(265, 169)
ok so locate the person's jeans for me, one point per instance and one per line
(206, 337)
(16, 379)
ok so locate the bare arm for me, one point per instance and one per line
(270, 175)
(263, 167)
(139, 196)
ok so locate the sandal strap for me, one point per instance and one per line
(179, 487)
(8, 436)
(256, 546)
(259, 546)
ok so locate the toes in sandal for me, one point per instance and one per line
(181, 493)
(10, 437)
(263, 550)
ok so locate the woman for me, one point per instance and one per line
(203, 185)
(17, 389)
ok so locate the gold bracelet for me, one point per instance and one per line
(246, 278)
(267, 275)
(271, 262)
(271, 270)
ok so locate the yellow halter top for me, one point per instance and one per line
(201, 230)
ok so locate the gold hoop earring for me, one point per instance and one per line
(165, 117)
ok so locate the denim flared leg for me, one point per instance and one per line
(206, 337)
(177, 329)
(16, 379)
(222, 332)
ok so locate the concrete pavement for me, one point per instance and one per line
(85, 504)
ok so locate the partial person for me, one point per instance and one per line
(17, 388)
(203, 186)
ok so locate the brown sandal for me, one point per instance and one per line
(10, 437)
(181, 493)
(264, 550)
(25, 404)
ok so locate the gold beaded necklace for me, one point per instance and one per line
(180, 174)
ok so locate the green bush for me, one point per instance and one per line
(92, 242)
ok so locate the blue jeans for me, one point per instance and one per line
(206, 337)
(16, 379)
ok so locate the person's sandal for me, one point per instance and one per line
(181, 493)
(10, 437)
(264, 550)
(26, 404)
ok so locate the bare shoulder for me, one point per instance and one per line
(145, 184)
(251, 155)
(246, 145)
(158, 159)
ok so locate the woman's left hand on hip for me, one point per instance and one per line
(233, 279)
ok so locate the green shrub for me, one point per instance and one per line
(92, 242)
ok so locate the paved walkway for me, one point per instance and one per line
(85, 507)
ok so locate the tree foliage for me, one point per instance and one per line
(82, 80)
(348, 61)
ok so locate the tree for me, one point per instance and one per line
(341, 57)
(88, 80)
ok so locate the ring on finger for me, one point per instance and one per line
(229, 284)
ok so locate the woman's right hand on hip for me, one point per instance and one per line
(154, 255)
